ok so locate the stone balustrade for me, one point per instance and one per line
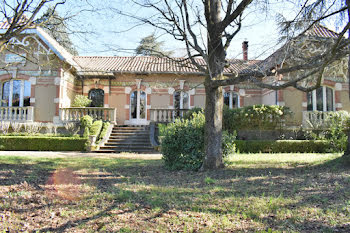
(73, 114)
(316, 119)
(17, 114)
(166, 115)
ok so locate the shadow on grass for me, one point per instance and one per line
(257, 193)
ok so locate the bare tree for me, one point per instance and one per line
(21, 15)
(208, 27)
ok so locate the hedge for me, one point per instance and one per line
(103, 131)
(262, 117)
(96, 128)
(282, 146)
(40, 143)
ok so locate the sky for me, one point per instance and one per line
(99, 30)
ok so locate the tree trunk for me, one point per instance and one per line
(213, 128)
(347, 151)
(213, 96)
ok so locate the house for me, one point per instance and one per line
(39, 80)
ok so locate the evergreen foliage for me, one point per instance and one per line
(81, 101)
(149, 46)
(57, 27)
(183, 143)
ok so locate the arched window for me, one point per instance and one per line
(231, 99)
(321, 99)
(15, 93)
(97, 97)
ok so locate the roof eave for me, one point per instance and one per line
(89, 72)
(44, 37)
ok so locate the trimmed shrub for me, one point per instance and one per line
(103, 131)
(41, 143)
(81, 101)
(86, 123)
(95, 128)
(183, 143)
(261, 117)
(282, 146)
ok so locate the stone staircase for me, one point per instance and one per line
(128, 139)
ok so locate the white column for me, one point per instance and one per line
(334, 107)
(181, 100)
(21, 95)
(231, 100)
(238, 101)
(324, 99)
(138, 105)
(10, 93)
(314, 101)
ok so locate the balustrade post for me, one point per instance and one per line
(60, 113)
(30, 114)
(21, 113)
(114, 116)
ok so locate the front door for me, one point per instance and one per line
(138, 111)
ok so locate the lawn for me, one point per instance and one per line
(254, 193)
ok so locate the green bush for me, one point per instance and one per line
(333, 131)
(95, 128)
(282, 146)
(162, 129)
(189, 113)
(81, 101)
(41, 143)
(261, 117)
(228, 145)
(86, 123)
(103, 131)
(183, 143)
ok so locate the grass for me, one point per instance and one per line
(254, 193)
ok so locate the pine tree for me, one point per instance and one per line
(56, 26)
(149, 46)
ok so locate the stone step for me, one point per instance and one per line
(129, 128)
(128, 139)
(129, 136)
(116, 139)
(130, 133)
(128, 144)
(132, 151)
(127, 148)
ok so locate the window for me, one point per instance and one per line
(138, 107)
(15, 93)
(97, 97)
(181, 100)
(321, 99)
(231, 99)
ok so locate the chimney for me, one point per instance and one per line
(245, 50)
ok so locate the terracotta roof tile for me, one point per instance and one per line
(147, 64)
(321, 31)
(6, 25)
